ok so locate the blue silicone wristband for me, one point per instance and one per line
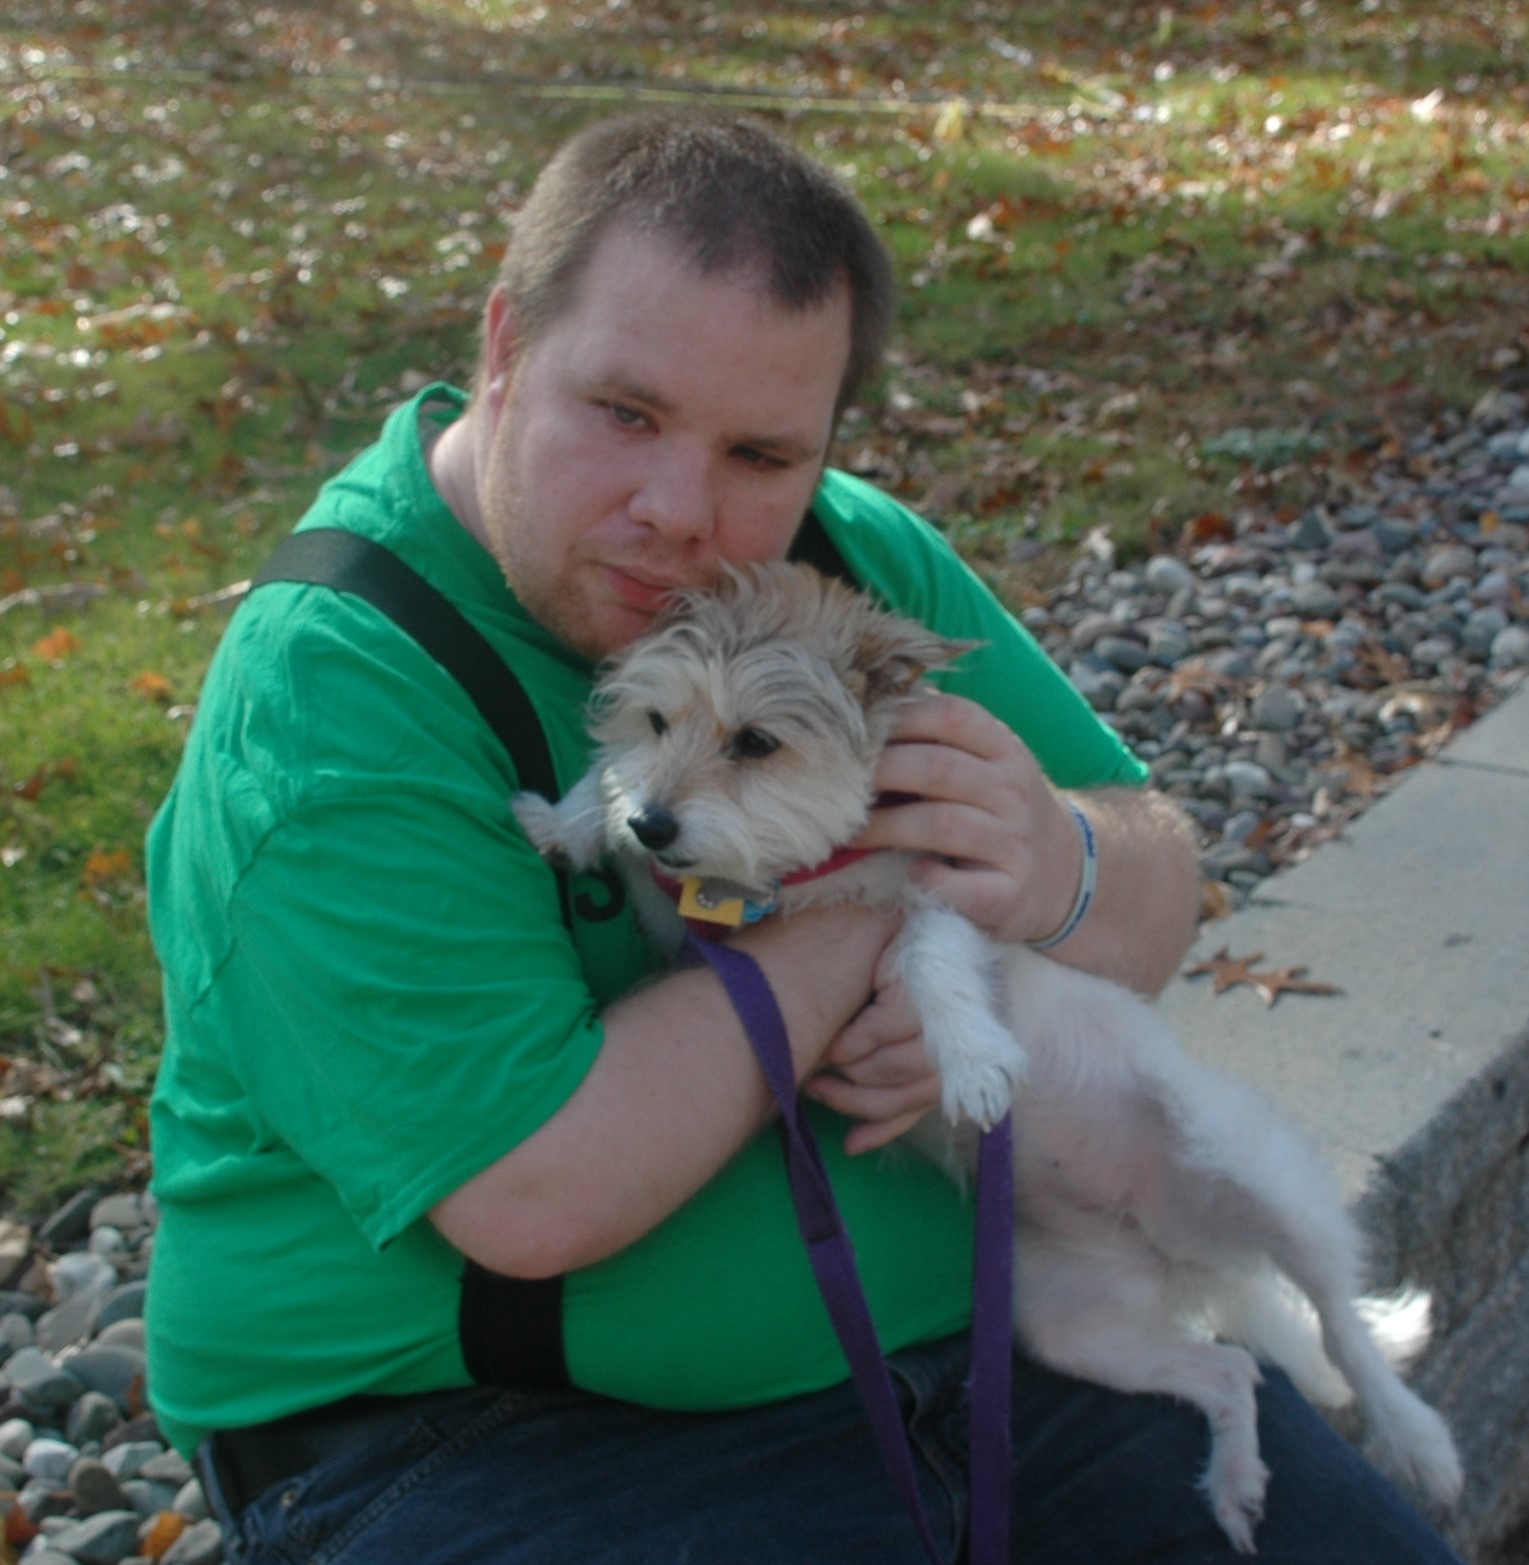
(1087, 883)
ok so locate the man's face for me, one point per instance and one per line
(666, 423)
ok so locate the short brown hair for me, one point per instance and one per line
(730, 193)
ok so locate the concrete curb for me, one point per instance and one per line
(1415, 1081)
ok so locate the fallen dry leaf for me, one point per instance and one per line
(15, 424)
(1359, 776)
(165, 1528)
(1193, 677)
(107, 864)
(1227, 971)
(56, 644)
(31, 789)
(67, 768)
(1287, 980)
(1210, 527)
(154, 687)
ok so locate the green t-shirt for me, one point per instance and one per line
(370, 996)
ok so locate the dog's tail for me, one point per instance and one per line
(1401, 1324)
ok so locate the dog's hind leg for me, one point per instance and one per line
(1412, 1440)
(1263, 1310)
(1282, 1206)
(946, 964)
(1101, 1311)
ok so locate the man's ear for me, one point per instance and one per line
(501, 346)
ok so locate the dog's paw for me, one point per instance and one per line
(979, 1085)
(540, 821)
(1415, 1443)
(1235, 1490)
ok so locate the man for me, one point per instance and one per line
(408, 1115)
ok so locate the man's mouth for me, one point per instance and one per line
(646, 594)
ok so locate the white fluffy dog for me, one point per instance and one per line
(1168, 1226)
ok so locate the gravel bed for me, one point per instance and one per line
(1279, 675)
(85, 1475)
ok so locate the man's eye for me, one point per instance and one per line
(628, 418)
(656, 723)
(752, 744)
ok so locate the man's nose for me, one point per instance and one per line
(676, 496)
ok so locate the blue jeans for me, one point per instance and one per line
(510, 1478)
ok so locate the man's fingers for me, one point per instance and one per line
(889, 1064)
(956, 829)
(888, 1020)
(980, 896)
(870, 1134)
(874, 1104)
(956, 722)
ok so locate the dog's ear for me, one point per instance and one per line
(891, 655)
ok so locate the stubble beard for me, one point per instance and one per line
(558, 604)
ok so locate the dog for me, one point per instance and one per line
(1170, 1230)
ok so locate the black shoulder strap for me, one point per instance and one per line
(511, 1328)
(812, 546)
(333, 557)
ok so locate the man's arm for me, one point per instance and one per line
(1142, 919)
(674, 1093)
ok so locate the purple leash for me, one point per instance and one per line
(833, 1263)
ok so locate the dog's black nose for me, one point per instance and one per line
(653, 827)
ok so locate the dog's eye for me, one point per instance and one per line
(752, 744)
(656, 723)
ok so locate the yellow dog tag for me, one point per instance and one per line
(710, 909)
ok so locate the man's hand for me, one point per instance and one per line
(1000, 846)
(876, 1071)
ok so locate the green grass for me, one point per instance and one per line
(1158, 261)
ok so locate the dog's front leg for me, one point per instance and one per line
(570, 833)
(946, 964)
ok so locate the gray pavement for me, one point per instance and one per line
(1420, 913)
(1415, 1080)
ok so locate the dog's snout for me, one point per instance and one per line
(655, 828)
